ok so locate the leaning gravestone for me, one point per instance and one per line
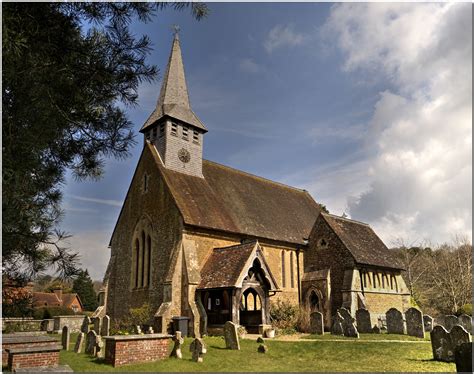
(85, 325)
(348, 326)
(415, 326)
(316, 325)
(105, 329)
(198, 349)
(79, 342)
(178, 342)
(441, 344)
(463, 358)
(337, 328)
(428, 322)
(363, 321)
(97, 325)
(231, 336)
(91, 339)
(465, 321)
(394, 322)
(450, 321)
(65, 338)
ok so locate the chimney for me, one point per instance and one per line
(59, 293)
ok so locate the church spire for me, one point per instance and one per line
(174, 98)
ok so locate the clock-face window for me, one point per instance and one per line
(184, 155)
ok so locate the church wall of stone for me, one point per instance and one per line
(157, 207)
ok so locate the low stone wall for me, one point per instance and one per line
(128, 349)
(73, 322)
(33, 357)
(10, 341)
(20, 324)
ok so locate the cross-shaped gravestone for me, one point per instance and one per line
(178, 342)
(65, 338)
(79, 342)
(198, 349)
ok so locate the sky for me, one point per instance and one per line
(368, 106)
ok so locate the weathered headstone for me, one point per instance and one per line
(394, 321)
(85, 325)
(231, 336)
(97, 325)
(463, 358)
(363, 321)
(450, 321)
(345, 314)
(99, 346)
(348, 324)
(458, 335)
(441, 344)
(415, 326)
(178, 342)
(91, 339)
(428, 322)
(198, 349)
(316, 323)
(65, 338)
(465, 321)
(376, 330)
(79, 342)
(260, 340)
(105, 329)
(337, 328)
(262, 348)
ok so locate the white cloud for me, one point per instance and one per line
(420, 176)
(248, 65)
(118, 203)
(282, 36)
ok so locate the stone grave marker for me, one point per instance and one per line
(260, 340)
(85, 325)
(415, 326)
(316, 323)
(178, 342)
(99, 347)
(348, 326)
(97, 325)
(450, 321)
(337, 328)
(363, 321)
(79, 342)
(91, 339)
(376, 330)
(465, 321)
(231, 336)
(198, 349)
(149, 330)
(428, 322)
(440, 344)
(65, 338)
(458, 335)
(262, 348)
(463, 358)
(138, 330)
(105, 329)
(395, 323)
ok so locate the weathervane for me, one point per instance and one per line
(176, 29)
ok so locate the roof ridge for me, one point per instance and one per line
(257, 176)
(253, 242)
(345, 219)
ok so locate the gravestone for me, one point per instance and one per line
(138, 330)
(97, 325)
(105, 329)
(458, 335)
(85, 325)
(65, 338)
(262, 348)
(394, 322)
(99, 347)
(428, 322)
(91, 339)
(376, 330)
(348, 326)
(363, 321)
(345, 314)
(231, 336)
(198, 349)
(450, 321)
(149, 330)
(178, 342)
(415, 326)
(441, 344)
(260, 340)
(79, 342)
(463, 358)
(316, 325)
(337, 328)
(465, 321)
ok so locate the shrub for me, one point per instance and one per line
(466, 309)
(136, 317)
(303, 322)
(284, 317)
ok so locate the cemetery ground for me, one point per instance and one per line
(327, 353)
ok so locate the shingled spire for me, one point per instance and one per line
(174, 99)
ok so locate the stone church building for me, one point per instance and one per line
(199, 239)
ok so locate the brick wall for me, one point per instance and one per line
(24, 342)
(30, 359)
(142, 348)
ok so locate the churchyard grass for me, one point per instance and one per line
(303, 355)
(365, 337)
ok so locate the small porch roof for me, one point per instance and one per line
(227, 267)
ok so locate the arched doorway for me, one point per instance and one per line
(314, 302)
(250, 308)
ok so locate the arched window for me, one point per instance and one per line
(142, 258)
(292, 270)
(313, 301)
(375, 279)
(283, 270)
(137, 256)
(258, 303)
(149, 260)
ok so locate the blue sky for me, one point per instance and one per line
(347, 101)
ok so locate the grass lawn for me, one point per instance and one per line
(303, 355)
(362, 337)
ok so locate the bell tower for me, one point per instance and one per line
(173, 128)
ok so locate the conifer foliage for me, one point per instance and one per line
(84, 287)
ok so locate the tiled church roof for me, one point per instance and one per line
(363, 243)
(234, 201)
